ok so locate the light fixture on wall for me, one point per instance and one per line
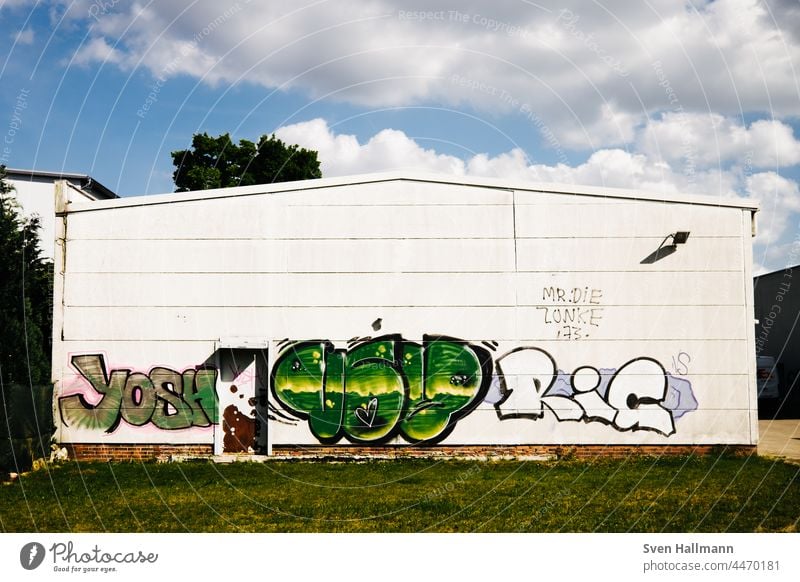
(678, 238)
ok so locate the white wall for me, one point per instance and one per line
(159, 284)
(36, 196)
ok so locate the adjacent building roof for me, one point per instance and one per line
(778, 271)
(85, 182)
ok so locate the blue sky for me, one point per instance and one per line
(697, 97)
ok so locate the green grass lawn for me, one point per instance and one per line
(686, 494)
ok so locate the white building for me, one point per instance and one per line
(35, 191)
(399, 310)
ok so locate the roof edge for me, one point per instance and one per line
(496, 183)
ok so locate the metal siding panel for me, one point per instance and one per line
(710, 361)
(499, 323)
(290, 289)
(401, 193)
(402, 289)
(626, 255)
(273, 218)
(635, 288)
(298, 256)
(634, 218)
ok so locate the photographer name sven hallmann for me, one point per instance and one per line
(95, 560)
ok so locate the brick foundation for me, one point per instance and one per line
(134, 452)
(508, 451)
(142, 452)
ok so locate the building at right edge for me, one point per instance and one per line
(777, 309)
(404, 313)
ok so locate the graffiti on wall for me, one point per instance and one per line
(640, 395)
(573, 313)
(380, 388)
(377, 389)
(164, 398)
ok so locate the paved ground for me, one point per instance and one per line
(779, 438)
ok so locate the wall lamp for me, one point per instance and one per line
(664, 249)
(679, 237)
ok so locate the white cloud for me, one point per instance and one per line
(587, 69)
(24, 37)
(778, 255)
(97, 50)
(780, 202)
(709, 140)
(610, 127)
(389, 149)
(16, 3)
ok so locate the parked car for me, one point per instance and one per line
(767, 379)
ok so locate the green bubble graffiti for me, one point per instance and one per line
(381, 388)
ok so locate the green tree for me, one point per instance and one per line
(216, 162)
(26, 283)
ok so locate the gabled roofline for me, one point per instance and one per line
(496, 183)
(83, 180)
